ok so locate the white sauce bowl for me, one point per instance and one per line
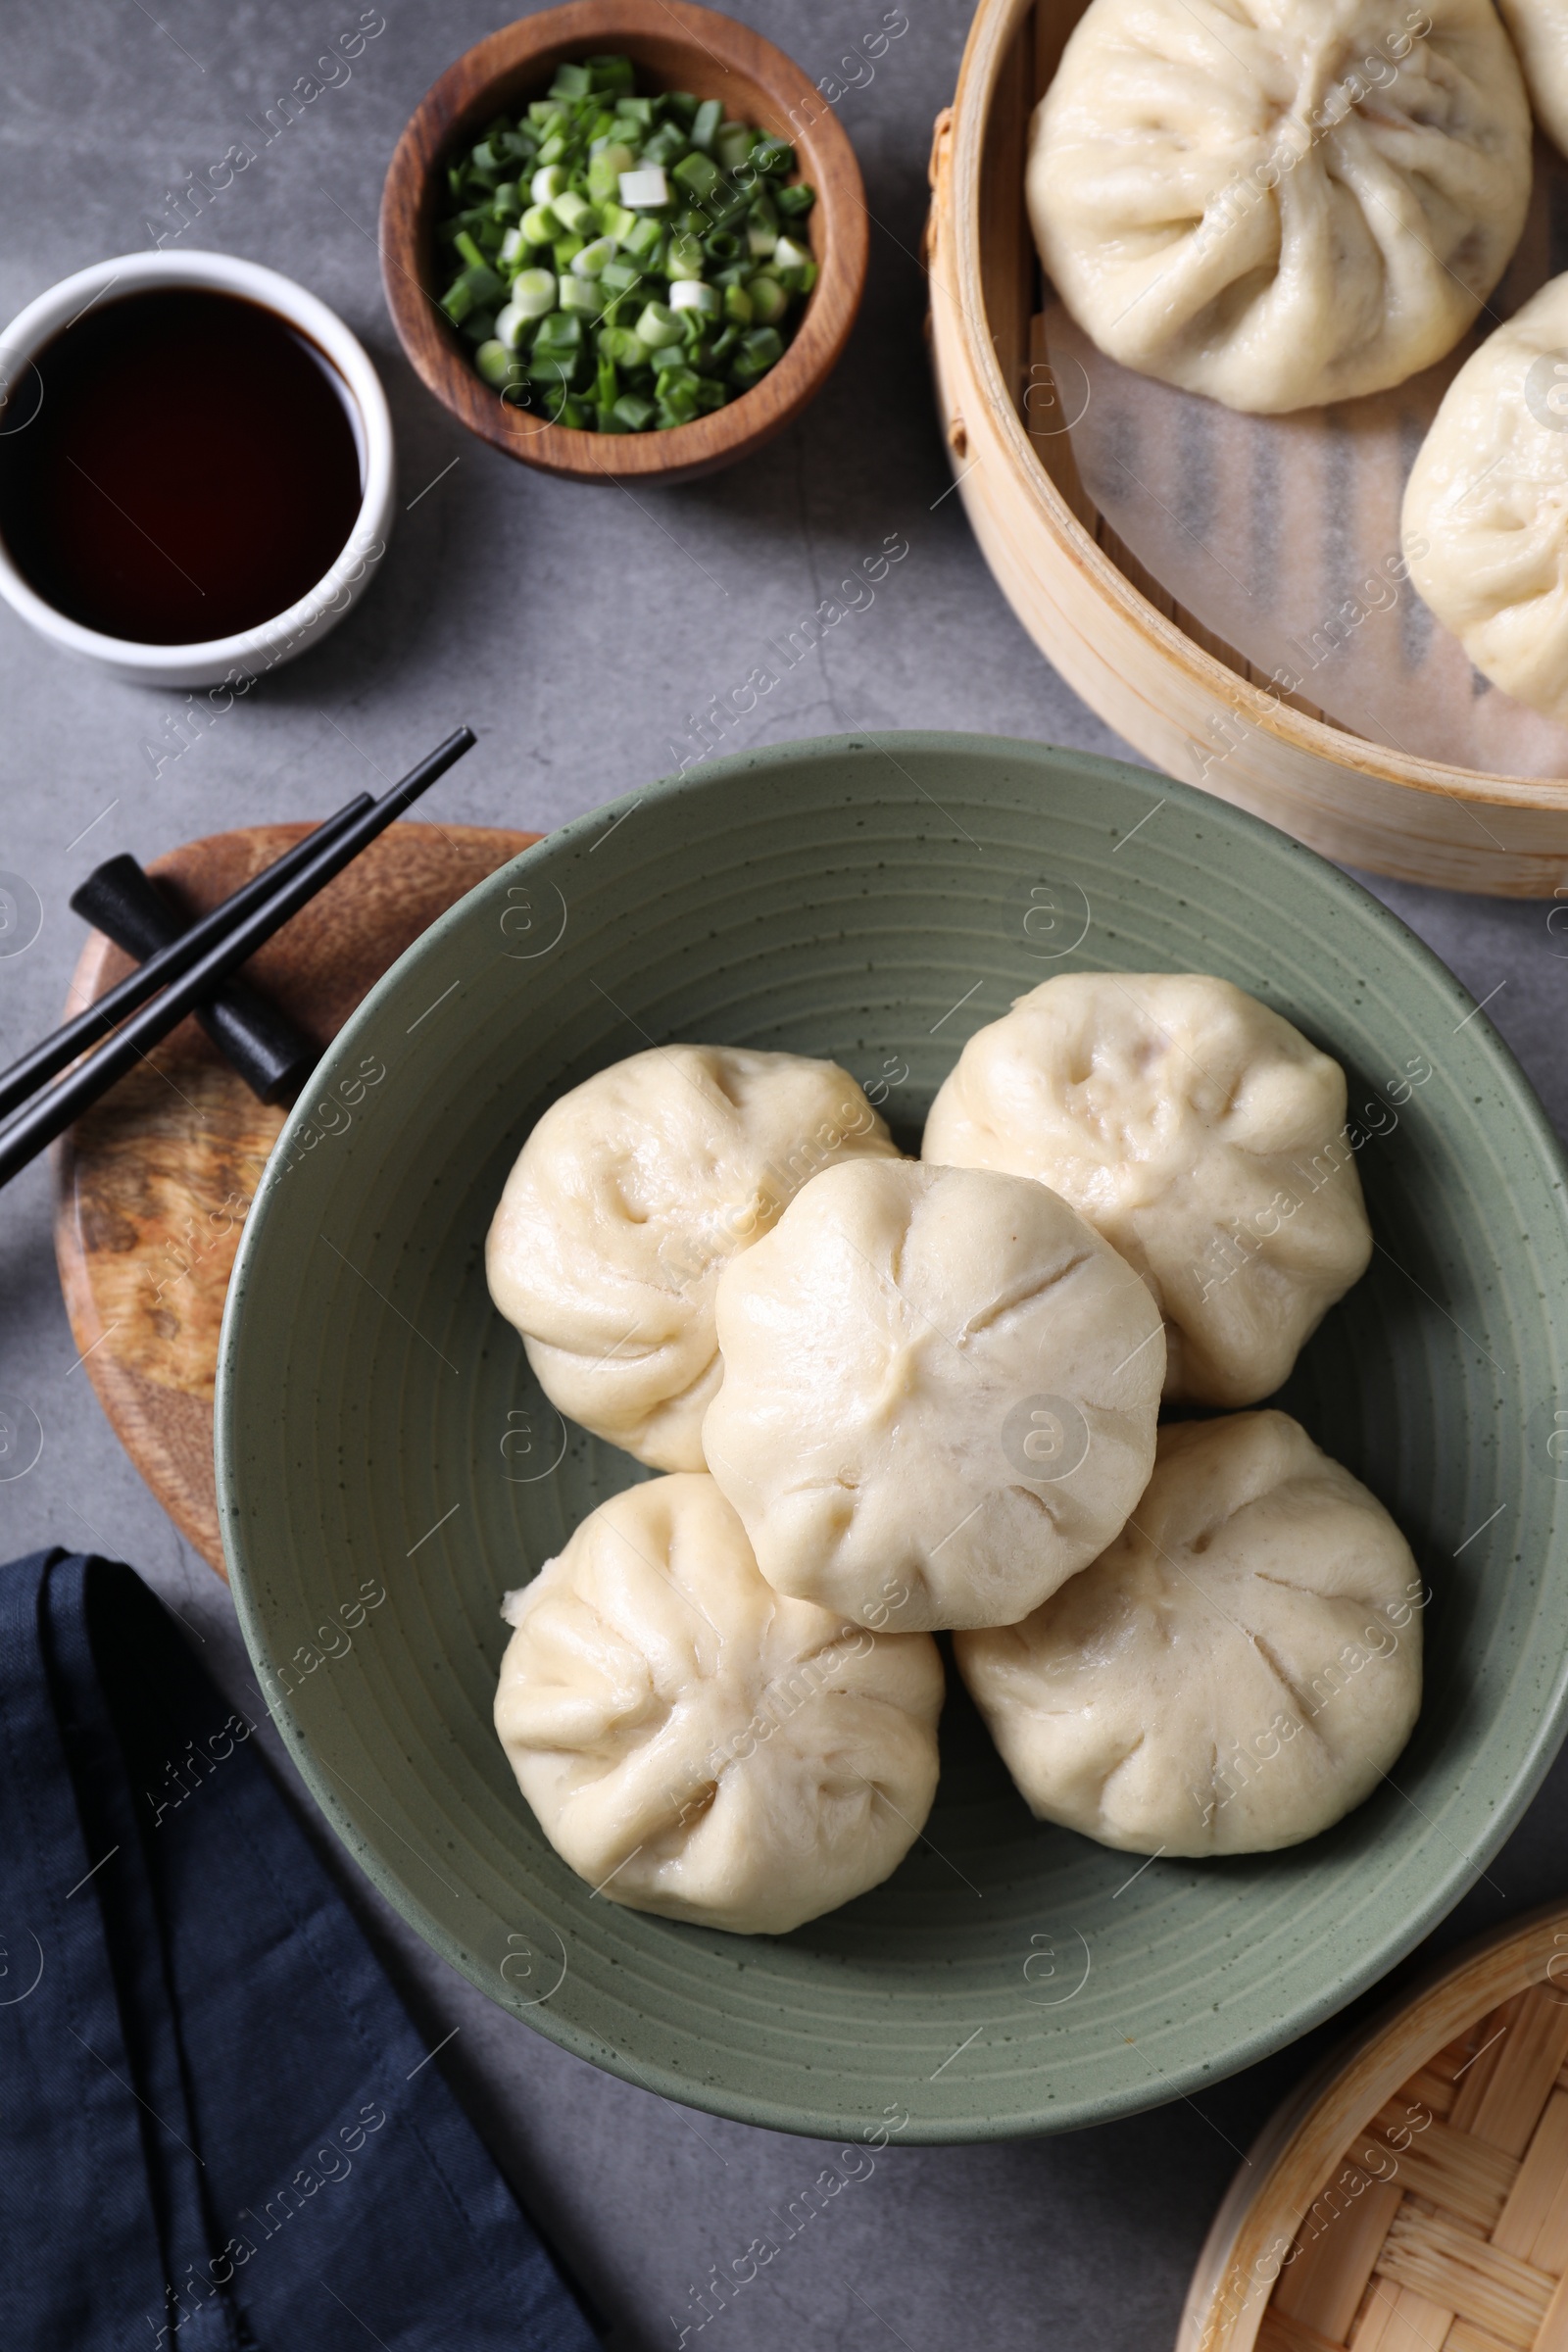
(249, 652)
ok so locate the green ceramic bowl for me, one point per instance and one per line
(379, 1430)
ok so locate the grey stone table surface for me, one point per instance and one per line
(577, 629)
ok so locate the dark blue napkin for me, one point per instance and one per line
(216, 2126)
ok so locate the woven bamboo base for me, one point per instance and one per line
(1439, 2219)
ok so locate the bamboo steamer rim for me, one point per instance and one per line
(955, 169)
(1294, 2157)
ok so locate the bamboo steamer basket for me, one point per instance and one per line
(1164, 680)
(1413, 2196)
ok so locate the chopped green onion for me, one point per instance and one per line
(667, 142)
(622, 348)
(676, 389)
(605, 168)
(697, 172)
(770, 301)
(658, 326)
(644, 241)
(684, 258)
(772, 157)
(656, 210)
(644, 189)
(496, 364)
(533, 293)
(611, 72)
(559, 330)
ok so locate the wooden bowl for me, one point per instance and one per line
(1166, 680)
(1415, 2191)
(674, 47)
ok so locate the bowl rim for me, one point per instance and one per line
(464, 93)
(1459, 1870)
(269, 641)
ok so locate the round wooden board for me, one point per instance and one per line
(1413, 2195)
(153, 1183)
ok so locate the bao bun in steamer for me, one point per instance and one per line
(1280, 203)
(628, 1199)
(1484, 522)
(938, 1398)
(696, 1745)
(1196, 1129)
(1540, 30)
(1238, 1669)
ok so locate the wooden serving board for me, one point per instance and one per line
(1413, 2197)
(154, 1182)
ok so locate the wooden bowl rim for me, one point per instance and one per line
(462, 93)
(1338, 2100)
(991, 35)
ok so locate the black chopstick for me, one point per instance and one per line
(54, 1111)
(25, 1077)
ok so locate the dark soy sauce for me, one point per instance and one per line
(183, 464)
